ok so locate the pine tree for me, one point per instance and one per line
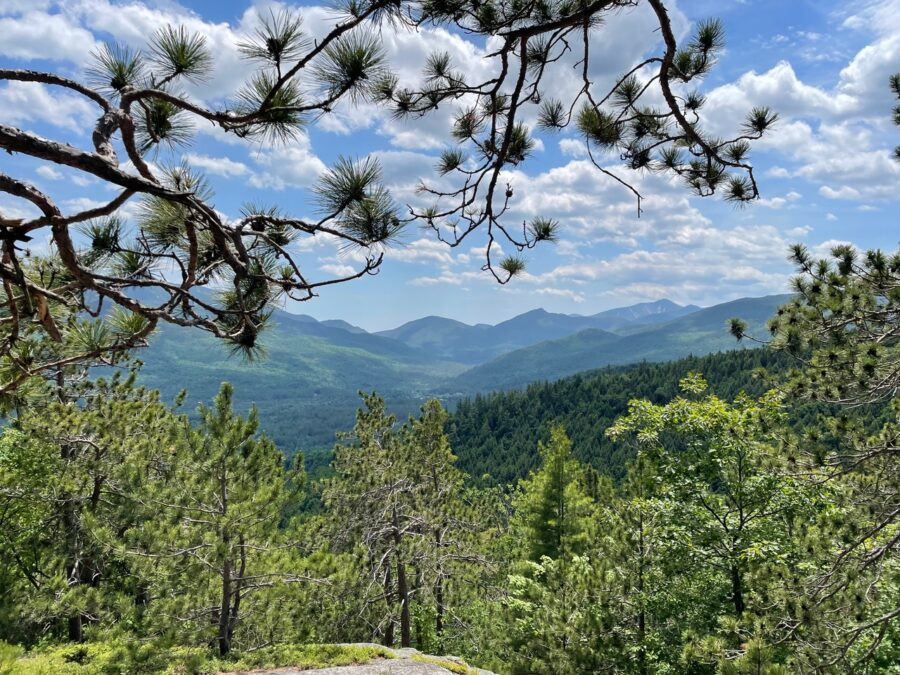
(841, 329)
(80, 458)
(396, 494)
(553, 510)
(220, 502)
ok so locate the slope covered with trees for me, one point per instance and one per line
(498, 434)
(700, 332)
(742, 531)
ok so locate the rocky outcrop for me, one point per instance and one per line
(405, 662)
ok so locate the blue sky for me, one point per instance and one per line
(825, 172)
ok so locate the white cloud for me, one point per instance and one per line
(39, 35)
(430, 251)
(23, 103)
(294, 165)
(338, 270)
(572, 147)
(48, 172)
(219, 166)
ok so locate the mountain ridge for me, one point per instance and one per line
(307, 387)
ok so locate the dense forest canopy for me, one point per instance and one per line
(724, 515)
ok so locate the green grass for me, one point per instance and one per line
(125, 658)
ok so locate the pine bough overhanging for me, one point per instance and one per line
(96, 301)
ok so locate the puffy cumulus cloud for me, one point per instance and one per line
(48, 172)
(24, 103)
(695, 263)
(843, 158)
(779, 202)
(835, 133)
(429, 251)
(133, 23)
(593, 207)
(879, 16)
(621, 42)
(338, 269)
(573, 147)
(293, 165)
(402, 170)
(574, 296)
(218, 166)
(41, 35)
(780, 89)
(865, 78)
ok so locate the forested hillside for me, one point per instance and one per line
(698, 333)
(196, 481)
(497, 434)
(306, 378)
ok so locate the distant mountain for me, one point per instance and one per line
(457, 341)
(306, 386)
(340, 323)
(700, 332)
(643, 314)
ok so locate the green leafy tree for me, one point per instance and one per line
(733, 508)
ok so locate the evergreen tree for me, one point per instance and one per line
(553, 510)
(67, 475)
(212, 534)
(841, 329)
(396, 495)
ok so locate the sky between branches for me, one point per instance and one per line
(825, 171)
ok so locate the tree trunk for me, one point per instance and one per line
(439, 595)
(402, 587)
(403, 592)
(225, 605)
(388, 639)
(737, 591)
(75, 629)
(238, 588)
(72, 534)
(642, 615)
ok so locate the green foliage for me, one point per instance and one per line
(498, 434)
(552, 510)
(117, 657)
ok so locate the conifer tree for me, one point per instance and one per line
(67, 476)
(840, 328)
(396, 495)
(553, 510)
(215, 542)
